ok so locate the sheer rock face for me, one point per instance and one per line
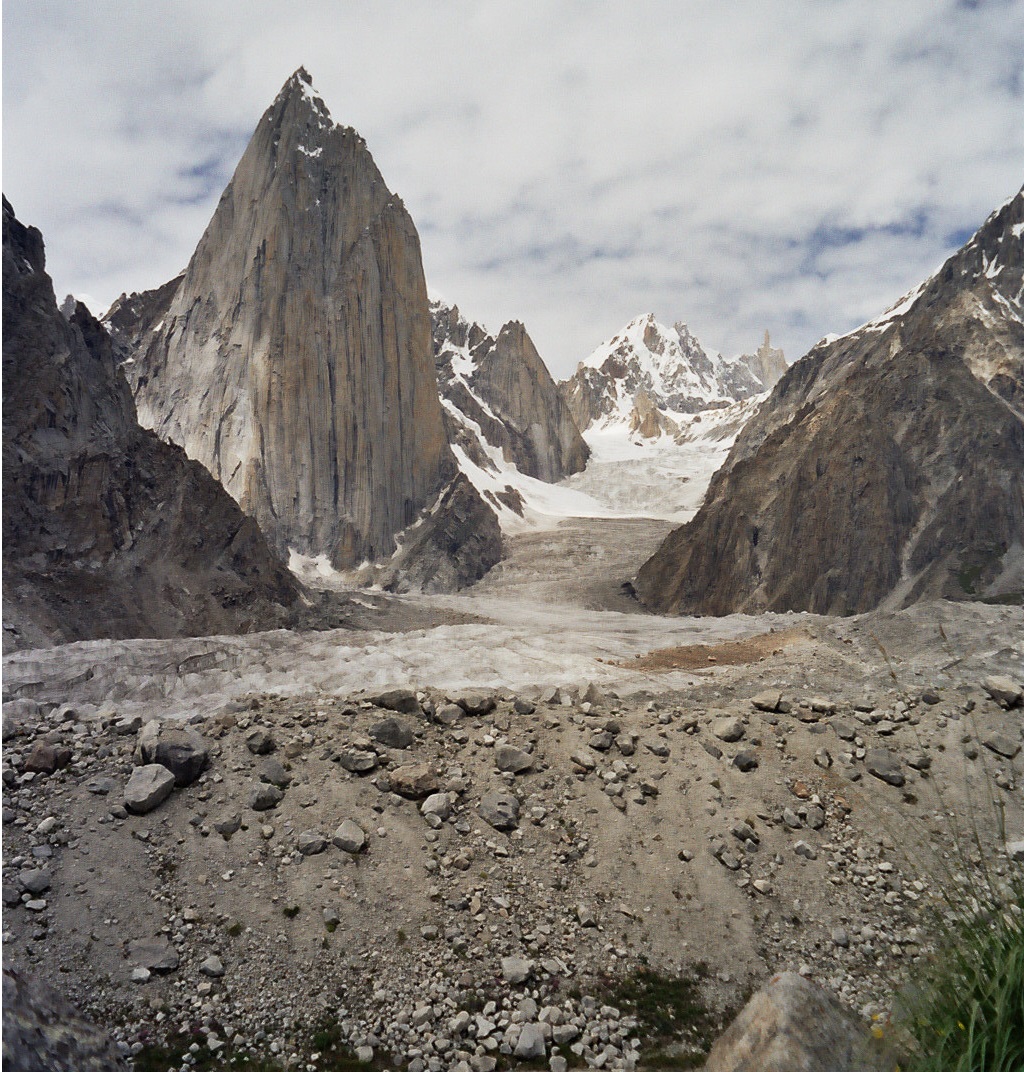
(649, 367)
(887, 465)
(501, 385)
(294, 358)
(108, 532)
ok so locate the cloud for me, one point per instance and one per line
(569, 164)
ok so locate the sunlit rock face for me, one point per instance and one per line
(886, 466)
(293, 358)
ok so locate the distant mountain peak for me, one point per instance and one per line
(648, 368)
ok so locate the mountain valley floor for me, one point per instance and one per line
(454, 843)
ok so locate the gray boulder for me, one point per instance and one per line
(401, 700)
(263, 797)
(148, 787)
(884, 765)
(392, 732)
(500, 810)
(350, 837)
(156, 954)
(509, 758)
(185, 753)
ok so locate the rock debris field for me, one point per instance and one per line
(457, 877)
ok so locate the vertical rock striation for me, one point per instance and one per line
(887, 465)
(108, 532)
(294, 358)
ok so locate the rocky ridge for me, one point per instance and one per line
(293, 358)
(885, 466)
(108, 532)
(504, 414)
(649, 378)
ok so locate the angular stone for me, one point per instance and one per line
(147, 788)
(1002, 745)
(212, 967)
(884, 765)
(794, 1024)
(401, 700)
(274, 773)
(264, 797)
(35, 880)
(392, 732)
(156, 954)
(1004, 690)
(350, 837)
(500, 809)
(185, 753)
(516, 970)
(357, 761)
(476, 703)
(228, 825)
(414, 780)
(509, 758)
(311, 842)
(745, 760)
(531, 1044)
(46, 758)
(260, 742)
(728, 729)
(768, 700)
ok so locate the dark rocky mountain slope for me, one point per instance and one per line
(497, 392)
(108, 532)
(887, 465)
(293, 358)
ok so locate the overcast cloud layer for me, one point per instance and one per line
(794, 166)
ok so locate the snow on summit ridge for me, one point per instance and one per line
(647, 376)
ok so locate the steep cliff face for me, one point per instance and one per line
(501, 385)
(108, 532)
(648, 376)
(294, 358)
(886, 465)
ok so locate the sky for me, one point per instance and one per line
(794, 166)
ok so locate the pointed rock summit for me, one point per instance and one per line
(293, 358)
(887, 466)
(498, 392)
(648, 376)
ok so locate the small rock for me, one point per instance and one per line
(509, 758)
(36, 880)
(311, 842)
(147, 788)
(801, 848)
(260, 742)
(476, 703)
(393, 733)
(1004, 690)
(263, 797)
(358, 761)
(516, 970)
(500, 810)
(274, 773)
(350, 837)
(531, 1044)
(728, 729)
(885, 766)
(156, 954)
(47, 758)
(745, 760)
(438, 804)
(213, 967)
(401, 700)
(229, 825)
(1001, 745)
(769, 700)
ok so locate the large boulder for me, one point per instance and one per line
(793, 1025)
(148, 787)
(185, 753)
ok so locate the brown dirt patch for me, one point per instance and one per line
(728, 653)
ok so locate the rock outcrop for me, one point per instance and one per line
(294, 357)
(793, 1025)
(887, 465)
(108, 532)
(498, 390)
(648, 376)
